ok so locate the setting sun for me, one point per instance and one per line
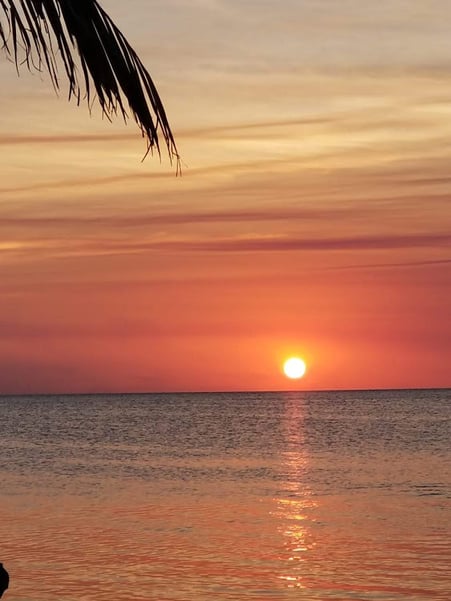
(294, 368)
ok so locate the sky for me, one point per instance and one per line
(312, 218)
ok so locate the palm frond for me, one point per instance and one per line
(98, 61)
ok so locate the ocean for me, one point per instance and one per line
(227, 496)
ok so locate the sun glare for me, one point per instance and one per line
(294, 368)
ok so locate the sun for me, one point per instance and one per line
(294, 368)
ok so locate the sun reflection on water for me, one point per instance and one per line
(294, 504)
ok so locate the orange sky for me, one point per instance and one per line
(312, 217)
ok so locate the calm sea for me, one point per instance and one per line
(196, 497)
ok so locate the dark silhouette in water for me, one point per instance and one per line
(4, 579)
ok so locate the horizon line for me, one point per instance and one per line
(181, 392)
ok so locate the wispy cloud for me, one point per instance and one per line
(273, 244)
(198, 132)
(17, 139)
(124, 221)
(391, 265)
(257, 244)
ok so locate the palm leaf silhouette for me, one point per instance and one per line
(98, 61)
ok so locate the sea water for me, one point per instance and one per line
(233, 496)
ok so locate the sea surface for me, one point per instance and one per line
(232, 496)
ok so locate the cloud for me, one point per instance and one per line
(17, 139)
(245, 245)
(271, 214)
(289, 244)
(392, 265)
(65, 138)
